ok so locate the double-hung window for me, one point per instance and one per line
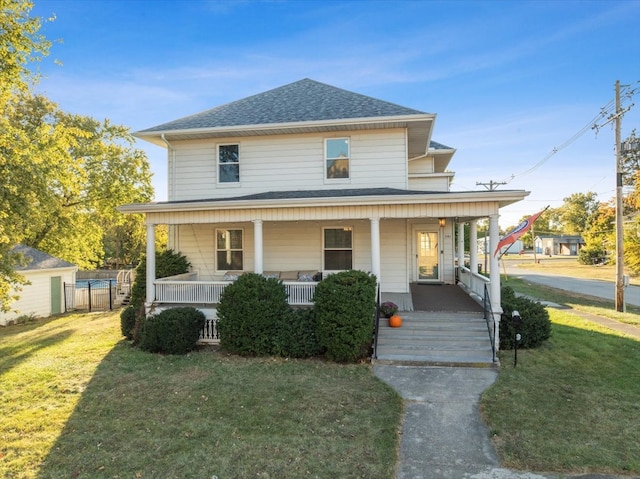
(336, 158)
(338, 249)
(229, 250)
(228, 163)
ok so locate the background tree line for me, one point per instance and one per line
(62, 174)
(582, 214)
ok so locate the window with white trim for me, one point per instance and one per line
(229, 163)
(338, 248)
(336, 153)
(229, 250)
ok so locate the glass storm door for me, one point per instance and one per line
(427, 256)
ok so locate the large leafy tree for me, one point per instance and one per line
(631, 177)
(63, 175)
(577, 212)
(20, 45)
(75, 173)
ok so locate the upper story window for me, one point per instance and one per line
(338, 249)
(336, 158)
(228, 164)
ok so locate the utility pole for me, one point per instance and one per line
(492, 185)
(619, 213)
(616, 119)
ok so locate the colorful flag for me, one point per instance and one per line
(518, 231)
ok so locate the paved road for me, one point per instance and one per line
(592, 287)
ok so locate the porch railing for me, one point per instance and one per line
(490, 319)
(474, 282)
(180, 291)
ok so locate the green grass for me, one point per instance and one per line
(572, 405)
(77, 401)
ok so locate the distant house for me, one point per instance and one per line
(514, 248)
(44, 295)
(559, 245)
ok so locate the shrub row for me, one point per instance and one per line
(254, 318)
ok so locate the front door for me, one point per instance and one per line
(428, 254)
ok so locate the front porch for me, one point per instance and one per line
(443, 324)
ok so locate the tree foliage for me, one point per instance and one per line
(63, 175)
(577, 212)
(20, 45)
(66, 181)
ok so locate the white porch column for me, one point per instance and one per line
(151, 263)
(460, 244)
(258, 258)
(494, 276)
(473, 246)
(375, 248)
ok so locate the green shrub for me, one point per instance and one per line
(536, 325)
(592, 254)
(168, 263)
(173, 331)
(249, 313)
(345, 304)
(128, 321)
(296, 336)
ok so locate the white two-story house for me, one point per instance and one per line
(305, 180)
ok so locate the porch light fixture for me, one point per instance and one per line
(442, 222)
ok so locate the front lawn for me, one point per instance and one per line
(572, 405)
(77, 401)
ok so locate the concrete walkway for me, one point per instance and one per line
(443, 436)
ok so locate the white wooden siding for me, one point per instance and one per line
(394, 257)
(422, 165)
(297, 246)
(435, 182)
(197, 243)
(288, 162)
(35, 298)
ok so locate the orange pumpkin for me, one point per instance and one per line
(395, 321)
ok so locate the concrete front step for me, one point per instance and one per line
(436, 338)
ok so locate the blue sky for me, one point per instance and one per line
(509, 80)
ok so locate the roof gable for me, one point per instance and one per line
(38, 260)
(301, 101)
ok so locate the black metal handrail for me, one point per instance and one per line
(376, 324)
(491, 322)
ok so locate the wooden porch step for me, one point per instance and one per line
(436, 338)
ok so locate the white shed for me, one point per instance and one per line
(44, 295)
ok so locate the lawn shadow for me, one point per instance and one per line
(12, 356)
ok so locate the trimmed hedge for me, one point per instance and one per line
(345, 305)
(128, 321)
(536, 325)
(250, 312)
(296, 336)
(173, 331)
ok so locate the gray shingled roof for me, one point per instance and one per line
(37, 259)
(304, 100)
(307, 194)
(439, 146)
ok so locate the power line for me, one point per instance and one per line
(606, 111)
